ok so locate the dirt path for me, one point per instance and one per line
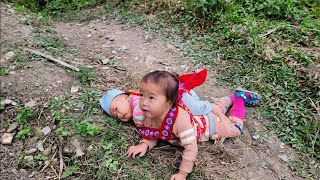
(132, 51)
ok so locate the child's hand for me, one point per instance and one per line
(179, 176)
(134, 150)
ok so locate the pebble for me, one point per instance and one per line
(30, 104)
(257, 136)
(40, 146)
(14, 103)
(12, 127)
(46, 130)
(114, 52)
(7, 138)
(284, 157)
(89, 35)
(74, 89)
(9, 55)
(150, 59)
(28, 158)
(105, 61)
(31, 151)
(8, 101)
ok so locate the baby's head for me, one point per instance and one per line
(116, 103)
(159, 92)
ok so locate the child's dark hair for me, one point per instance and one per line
(165, 79)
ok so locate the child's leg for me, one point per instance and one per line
(221, 105)
(227, 128)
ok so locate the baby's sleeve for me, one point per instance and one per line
(196, 106)
(137, 114)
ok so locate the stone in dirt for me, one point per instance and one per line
(46, 130)
(75, 142)
(9, 55)
(105, 61)
(12, 127)
(30, 104)
(31, 151)
(75, 89)
(40, 146)
(28, 158)
(7, 138)
(8, 101)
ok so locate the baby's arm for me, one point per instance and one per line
(141, 148)
(188, 140)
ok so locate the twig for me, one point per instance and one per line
(52, 59)
(79, 35)
(61, 160)
(269, 32)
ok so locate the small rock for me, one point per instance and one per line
(89, 35)
(7, 138)
(12, 127)
(33, 173)
(23, 171)
(11, 154)
(75, 142)
(37, 84)
(105, 61)
(9, 55)
(169, 46)
(123, 48)
(114, 52)
(257, 136)
(74, 89)
(28, 158)
(31, 151)
(13, 103)
(46, 130)
(118, 57)
(30, 104)
(40, 146)
(8, 101)
(136, 58)
(284, 157)
(12, 72)
(150, 59)
(282, 145)
(59, 81)
(68, 150)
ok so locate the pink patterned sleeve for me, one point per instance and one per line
(137, 113)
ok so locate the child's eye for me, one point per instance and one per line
(152, 98)
(141, 95)
(116, 109)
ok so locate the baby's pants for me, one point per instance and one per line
(225, 126)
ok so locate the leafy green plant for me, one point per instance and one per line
(62, 131)
(40, 157)
(85, 75)
(73, 169)
(86, 128)
(23, 117)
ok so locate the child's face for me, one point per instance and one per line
(153, 101)
(120, 108)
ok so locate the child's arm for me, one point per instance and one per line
(188, 140)
(141, 148)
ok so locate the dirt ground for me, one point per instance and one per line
(134, 52)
